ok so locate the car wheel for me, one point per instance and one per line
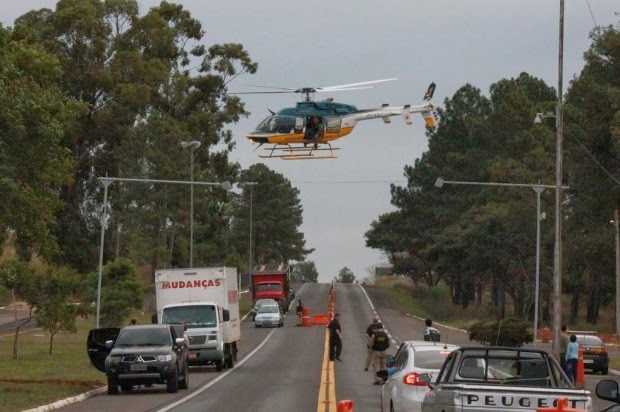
(172, 383)
(126, 388)
(112, 386)
(605, 371)
(184, 383)
(391, 407)
(219, 365)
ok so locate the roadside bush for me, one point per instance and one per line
(508, 332)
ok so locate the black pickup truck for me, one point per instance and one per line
(140, 355)
(491, 378)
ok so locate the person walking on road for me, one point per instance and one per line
(572, 354)
(335, 338)
(370, 330)
(300, 311)
(430, 333)
(380, 342)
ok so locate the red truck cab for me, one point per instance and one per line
(271, 281)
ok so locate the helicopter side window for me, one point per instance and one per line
(333, 124)
(284, 124)
(299, 124)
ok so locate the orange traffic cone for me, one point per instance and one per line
(562, 406)
(345, 406)
(580, 379)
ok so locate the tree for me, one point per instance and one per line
(34, 115)
(14, 276)
(345, 276)
(53, 290)
(305, 272)
(132, 73)
(121, 291)
(276, 218)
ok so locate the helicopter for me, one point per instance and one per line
(304, 132)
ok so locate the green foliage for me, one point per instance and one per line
(345, 276)
(305, 272)
(121, 292)
(508, 332)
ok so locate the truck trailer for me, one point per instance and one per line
(272, 282)
(206, 301)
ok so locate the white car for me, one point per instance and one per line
(269, 315)
(403, 390)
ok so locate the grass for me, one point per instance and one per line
(36, 378)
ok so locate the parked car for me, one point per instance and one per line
(595, 356)
(145, 355)
(403, 391)
(269, 315)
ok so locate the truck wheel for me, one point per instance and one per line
(112, 386)
(172, 383)
(184, 382)
(219, 365)
(126, 388)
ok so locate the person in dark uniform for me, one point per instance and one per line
(335, 338)
(300, 312)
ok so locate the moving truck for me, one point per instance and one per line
(272, 282)
(206, 301)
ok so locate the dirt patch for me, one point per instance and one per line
(87, 384)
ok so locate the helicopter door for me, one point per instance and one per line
(315, 127)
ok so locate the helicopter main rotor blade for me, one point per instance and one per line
(271, 87)
(357, 84)
(282, 91)
(323, 90)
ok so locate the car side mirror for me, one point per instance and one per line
(179, 341)
(608, 390)
(225, 315)
(109, 344)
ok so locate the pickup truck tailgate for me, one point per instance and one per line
(486, 398)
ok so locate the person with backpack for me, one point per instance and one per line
(380, 342)
(370, 330)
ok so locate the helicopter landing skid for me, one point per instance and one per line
(305, 152)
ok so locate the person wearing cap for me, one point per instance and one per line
(380, 342)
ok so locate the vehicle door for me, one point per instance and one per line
(179, 349)
(96, 347)
(395, 383)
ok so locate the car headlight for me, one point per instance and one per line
(164, 358)
(115, 360)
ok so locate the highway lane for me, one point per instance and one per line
(280, 369)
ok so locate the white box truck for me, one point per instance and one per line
(206, 301)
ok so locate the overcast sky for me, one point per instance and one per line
(323, 43)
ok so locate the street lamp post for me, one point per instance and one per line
(538, 188)
(194, 144)
(617, 230)
(109, 180)
(251, 185)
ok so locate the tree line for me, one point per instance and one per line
(481, 240)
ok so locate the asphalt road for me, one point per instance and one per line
(280, 369)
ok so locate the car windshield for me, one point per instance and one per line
(144, 337)
(268, 286)
(194, 316)
(268, 309)
(430, 359)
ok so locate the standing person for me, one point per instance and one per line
(370, 330)
(572, 354)
(380, 342)
(335, 338)
(300, 312)
(427, 330)
(564, 339)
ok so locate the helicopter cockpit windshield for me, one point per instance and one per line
(277, 124)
